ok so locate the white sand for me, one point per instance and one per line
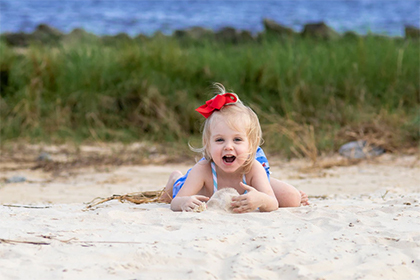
(367, 227)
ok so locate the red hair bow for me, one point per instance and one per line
(216, 103)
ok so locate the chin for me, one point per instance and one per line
(230, 168)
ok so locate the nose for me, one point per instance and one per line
(228, 146)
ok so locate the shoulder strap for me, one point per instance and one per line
(244, 181)
(213, 171)
(214, 175)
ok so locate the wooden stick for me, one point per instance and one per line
(23, 242)
(26, 206)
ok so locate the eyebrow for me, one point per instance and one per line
(221, 135)
(216, 136)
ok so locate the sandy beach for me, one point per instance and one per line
(363, 223)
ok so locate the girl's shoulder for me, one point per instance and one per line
(201, 173)
(256, 166)
(256, 170)
(202, 166)
(203, 162)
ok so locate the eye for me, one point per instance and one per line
(219, 140)
(237, 139)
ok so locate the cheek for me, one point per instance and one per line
(246, 149)
(212, 150)
(216, 148)
(245, 146)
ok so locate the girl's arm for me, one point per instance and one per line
(187, 203)
(187, 198)
(259, 195)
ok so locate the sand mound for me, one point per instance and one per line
(220, 201)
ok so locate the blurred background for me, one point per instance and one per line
(109, 17)
(127, 71)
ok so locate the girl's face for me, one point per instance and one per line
(229, 148)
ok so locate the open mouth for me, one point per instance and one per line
(229, 159)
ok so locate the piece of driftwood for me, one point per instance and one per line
(11, 241)
(26, 206)
(137, 198)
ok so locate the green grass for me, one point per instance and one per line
(131, 90)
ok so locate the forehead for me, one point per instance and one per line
(223, 126)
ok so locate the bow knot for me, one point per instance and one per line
(216, 103)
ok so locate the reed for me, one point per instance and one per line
(147, 90)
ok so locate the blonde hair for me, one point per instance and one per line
(238, 117)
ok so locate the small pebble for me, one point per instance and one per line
(359, 150)
(16, 179)
(44, 157)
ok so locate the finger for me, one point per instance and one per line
(186, 208)
(241, 209)
(246, 187)
(197, 202)
(202, 198)
(240, 198)
(238, 204)
(236, 198)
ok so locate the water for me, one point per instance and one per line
(146, 17)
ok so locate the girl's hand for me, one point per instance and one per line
(192, 202)
(246, 202)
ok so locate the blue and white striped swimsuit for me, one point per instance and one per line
(260, 157)
(213, 172)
